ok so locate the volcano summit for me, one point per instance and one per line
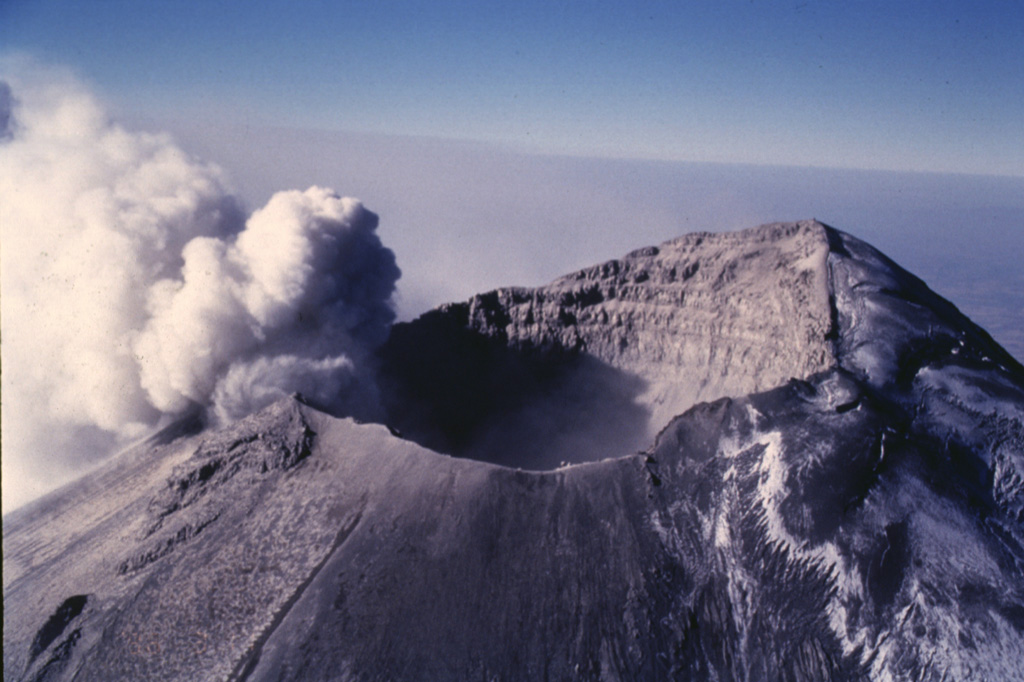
(764, 455)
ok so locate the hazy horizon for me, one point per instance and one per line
(490, 217)
(879, 85)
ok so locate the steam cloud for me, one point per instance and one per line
(134, 288)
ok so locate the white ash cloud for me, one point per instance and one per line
(134, 287)
(302, 291)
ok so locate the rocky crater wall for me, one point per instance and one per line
(615, 350)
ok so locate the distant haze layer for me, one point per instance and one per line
(465, 218)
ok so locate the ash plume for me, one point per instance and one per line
(134, 287)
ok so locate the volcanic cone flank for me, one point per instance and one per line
(829, 486)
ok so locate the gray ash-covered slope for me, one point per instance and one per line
(854, 511)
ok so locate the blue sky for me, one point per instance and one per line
(898, 85)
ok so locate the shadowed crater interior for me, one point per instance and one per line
(462, 392)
